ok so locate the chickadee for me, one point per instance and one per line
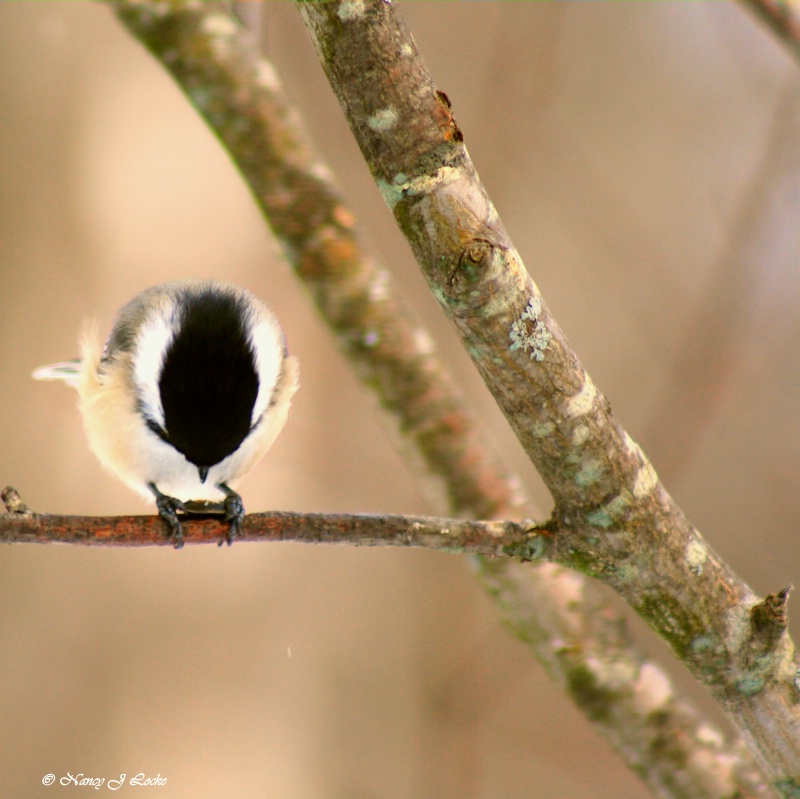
(192, 388)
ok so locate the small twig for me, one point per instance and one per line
(13, 501)
(770, 617)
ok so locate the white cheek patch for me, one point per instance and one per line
(266, 339)
(153, 339)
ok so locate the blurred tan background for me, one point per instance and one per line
(644, 158)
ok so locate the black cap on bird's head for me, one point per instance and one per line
(208, 383)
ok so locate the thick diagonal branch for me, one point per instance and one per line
(613, 518)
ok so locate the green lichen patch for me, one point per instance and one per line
(528, 333)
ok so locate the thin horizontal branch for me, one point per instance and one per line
(487, 538)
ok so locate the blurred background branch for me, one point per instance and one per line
(782, 17)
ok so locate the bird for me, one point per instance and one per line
(191, 389)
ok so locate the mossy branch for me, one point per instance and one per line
(613, 519)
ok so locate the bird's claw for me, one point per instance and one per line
(234, 513)
(168, 508)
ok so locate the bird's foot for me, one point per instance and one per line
(168, 508)
(234, 513)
